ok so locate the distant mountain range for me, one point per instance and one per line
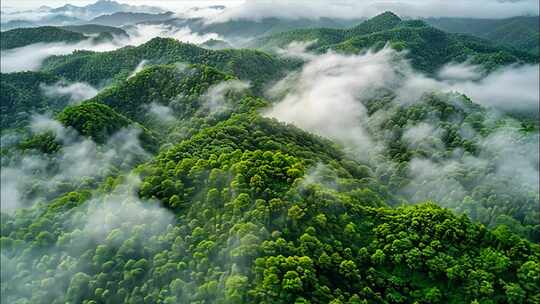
(429, 47)
(127, 18)
(523, 32)
(71, 14)
(103, 7)
(244, 28)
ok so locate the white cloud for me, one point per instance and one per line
(422, 134)
(123, 211)
(78, 159)
(214, 99)
(459, 72)
(77, 91)
(30, 57)
(508, 88)
(142, 33)
(138, 68)
(162, 113)
(326, 96)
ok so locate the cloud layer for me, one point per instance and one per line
(328, 97)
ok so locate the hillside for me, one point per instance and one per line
(22, 95)
(522, 33)
(161, 84)
(255, 66)
(429, 48)
(269, 235)
(92, 29)
(21, 37)
(99, 122)
(245, 28)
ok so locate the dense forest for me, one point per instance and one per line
(184, 179)
(21, 37)
(521, 32)
(429, 48)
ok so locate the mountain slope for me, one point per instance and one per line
(255, 66)
(521, 33)
(429, 48)
(244, 28)
(22, 95)
(161, 84)
(99, 122)
(92, 29)
(248, 217)
(25, 36)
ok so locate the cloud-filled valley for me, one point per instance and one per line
(35, 54)
(329, 95)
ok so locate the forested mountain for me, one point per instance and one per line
(522, 33)
(67, 34)
(176, 179)
(94, 67)
(92, 29)
(22, 95)
(429, 47)
(246, 28)
(126, 18)
(25, 36)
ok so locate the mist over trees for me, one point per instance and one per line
(214, 158)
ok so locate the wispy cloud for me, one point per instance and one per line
(77, 91)
(328, 97)
(78, 159)
(30, 57)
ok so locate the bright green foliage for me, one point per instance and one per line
(93, 119)
(247, 218)
(161, 84)
(24, 36)
(93, 68)
(99, 122)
